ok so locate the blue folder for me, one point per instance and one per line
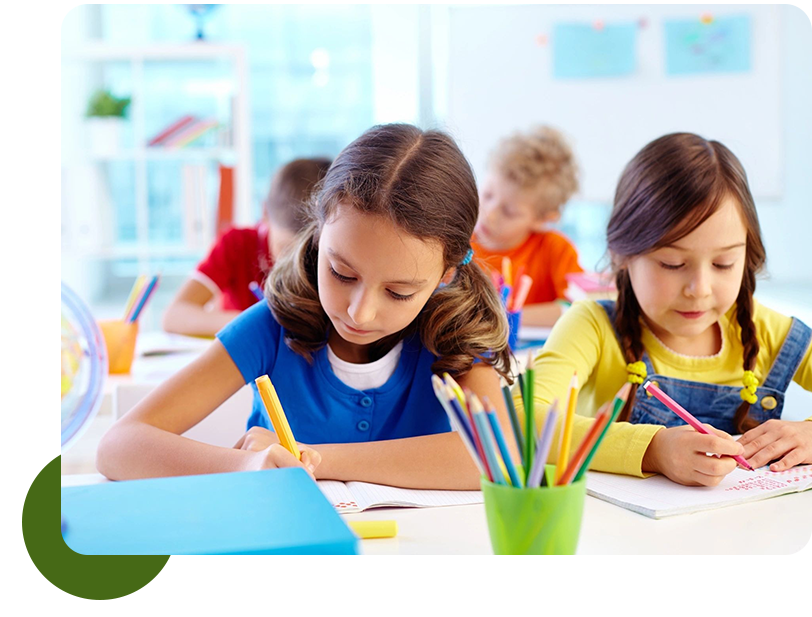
(276, 511)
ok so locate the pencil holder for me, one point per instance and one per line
(119, 337)
(534, 521)
(514, 323)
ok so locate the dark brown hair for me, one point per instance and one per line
(666, 191)
(421, 182)
(291, 189)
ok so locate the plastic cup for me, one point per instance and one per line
(534, 521)
(119, 337)
(514, 323)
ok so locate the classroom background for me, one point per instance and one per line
(260, 85)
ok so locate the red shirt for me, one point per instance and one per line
(547, 258)
(237, 258)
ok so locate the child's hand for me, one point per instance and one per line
(268, 453)
(679, 453)
(778, 439)
(256, 439)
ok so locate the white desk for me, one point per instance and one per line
(774, 526)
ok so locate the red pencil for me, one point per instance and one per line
(585, 446)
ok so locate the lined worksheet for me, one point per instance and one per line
(658, 497)
(360, 496)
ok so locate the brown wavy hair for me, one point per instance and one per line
(666, 191)
(421, 182)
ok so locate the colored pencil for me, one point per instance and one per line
(566, 434)
(455, 402)
(445, 399)
(142, 301)
(545, 440)
(514, 421)
(685, 415)
(483, 427)
(523, 285)
(256, 290)
(277, 415)
(507, 271)
(500, 442)
(529, 415)
(457, 390)
(585, 446)
(620, 400)
(138, 285)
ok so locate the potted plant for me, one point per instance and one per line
(105, 114)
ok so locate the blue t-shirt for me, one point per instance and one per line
(319, 406)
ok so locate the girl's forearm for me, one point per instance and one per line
(194, 320)
(137, 450)
(429, 462)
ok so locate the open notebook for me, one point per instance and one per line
(659, 497)
(359, 496)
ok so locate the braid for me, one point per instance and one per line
(627, 324)
(744, 315)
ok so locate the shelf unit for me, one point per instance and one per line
(237, 154)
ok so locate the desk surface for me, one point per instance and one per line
(781, 525)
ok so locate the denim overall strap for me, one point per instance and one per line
(789, 357)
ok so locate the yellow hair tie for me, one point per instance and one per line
(637, 372)
(748, 392)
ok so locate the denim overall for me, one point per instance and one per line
(717, 405)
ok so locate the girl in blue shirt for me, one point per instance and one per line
(377, 293)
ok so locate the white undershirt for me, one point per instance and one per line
(365, 376)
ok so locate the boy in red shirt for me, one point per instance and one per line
(218, 290)
(530, 178)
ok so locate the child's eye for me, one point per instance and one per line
(670, 266)
(396, 296)
(723, 266)
(341, 277)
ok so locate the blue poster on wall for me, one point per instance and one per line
(586, 50)
(721, 45)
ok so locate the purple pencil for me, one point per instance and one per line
(543, 448)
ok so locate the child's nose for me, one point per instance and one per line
(362, 308)
(699, 285)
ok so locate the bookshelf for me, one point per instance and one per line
(95, 199)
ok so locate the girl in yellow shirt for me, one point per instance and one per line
(685, 245)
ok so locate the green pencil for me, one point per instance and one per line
(514, 420)
(529, 416)
(619, 402)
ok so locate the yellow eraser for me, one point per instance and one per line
(374, 529)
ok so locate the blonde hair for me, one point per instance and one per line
(421, 182)
(540, 161)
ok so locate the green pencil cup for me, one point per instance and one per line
(534, 521)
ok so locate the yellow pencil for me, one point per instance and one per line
(566, 435)
(274, 408)
(137, 287)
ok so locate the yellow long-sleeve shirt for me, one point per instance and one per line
(583, 341)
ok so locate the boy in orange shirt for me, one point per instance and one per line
(218, 289)
(530, 178)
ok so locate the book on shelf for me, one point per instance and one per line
(173, 128)
(197, 223)
(589, 286)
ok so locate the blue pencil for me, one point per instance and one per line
(442, 395)
(486, 436)
(256, 290)
(147, 293)
(503, 449)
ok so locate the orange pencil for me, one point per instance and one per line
(586, 445)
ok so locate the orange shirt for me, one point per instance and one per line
(547, 258)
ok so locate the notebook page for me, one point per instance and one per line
(377, 496)
(658, 496)
(339, 496)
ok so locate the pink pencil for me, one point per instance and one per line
(685, 415)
